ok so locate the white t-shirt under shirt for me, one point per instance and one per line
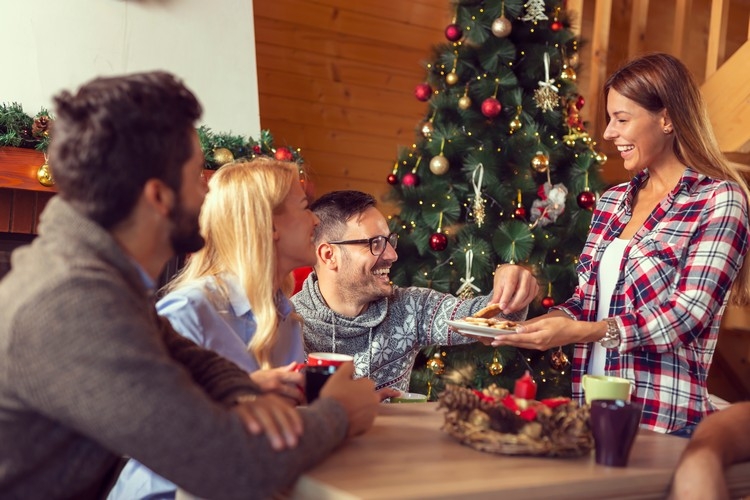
(609, 271)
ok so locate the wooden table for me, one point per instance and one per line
(406, 455)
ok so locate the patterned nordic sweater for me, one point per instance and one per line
(386, 338)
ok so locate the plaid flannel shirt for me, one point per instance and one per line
(672, 287)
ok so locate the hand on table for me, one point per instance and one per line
(514, 288)
(283, 381)
(388, 392)
(273, 416)
(358, 397)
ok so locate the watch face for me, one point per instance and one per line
(610, 342)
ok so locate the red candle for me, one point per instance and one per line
(525, 387)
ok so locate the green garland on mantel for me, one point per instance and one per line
(21, 130)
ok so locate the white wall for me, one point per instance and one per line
(49, 45)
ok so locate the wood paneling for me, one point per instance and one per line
(18, 168)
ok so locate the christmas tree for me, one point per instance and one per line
(502, 171)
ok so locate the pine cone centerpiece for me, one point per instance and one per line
(495, 421)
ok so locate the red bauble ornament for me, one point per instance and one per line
(520, 212)
(580, 101)
(256, 149)
(283, 154)
(491, 107)
(410, 179)
(548, 302)
(438, 242)
(586, 200)
(392, 179)
(453, 32)
(423, 92)
(556, 26)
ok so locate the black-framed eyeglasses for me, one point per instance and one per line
(377, 243)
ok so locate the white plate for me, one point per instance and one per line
(477, 330)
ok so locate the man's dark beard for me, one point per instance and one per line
(185, 235)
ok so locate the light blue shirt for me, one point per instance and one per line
(224, 323)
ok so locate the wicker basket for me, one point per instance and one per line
(493, 422)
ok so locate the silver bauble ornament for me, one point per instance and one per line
(501, 27)
(439, 165)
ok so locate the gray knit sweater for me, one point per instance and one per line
(88, 373)
(386, 338)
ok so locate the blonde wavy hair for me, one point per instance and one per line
(237, 223)
(660, 81)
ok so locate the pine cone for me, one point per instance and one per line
(40, 127)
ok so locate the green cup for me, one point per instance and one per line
(409, 397)
(606, 387)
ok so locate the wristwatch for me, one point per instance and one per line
(611, 339)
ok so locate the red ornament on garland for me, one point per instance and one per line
(410, 179)
(283, 154)
(256, 149)
(438, 242)
(392, 179)
(586, 200)
(453, 32)
(423, 92)
(491, 107)
(548, 302)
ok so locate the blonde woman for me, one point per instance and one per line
(231, 297)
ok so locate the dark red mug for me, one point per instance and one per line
(614, 425)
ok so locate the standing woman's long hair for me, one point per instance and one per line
(661, 81)
(237, 223)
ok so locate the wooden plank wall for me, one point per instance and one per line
(336, 77)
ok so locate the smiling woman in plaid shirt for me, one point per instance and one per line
(663, 253)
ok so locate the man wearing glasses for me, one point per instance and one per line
(349, 305)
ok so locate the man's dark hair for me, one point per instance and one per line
(335, 208)
(116, 133)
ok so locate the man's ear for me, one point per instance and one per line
(327, 257)
(159, 196)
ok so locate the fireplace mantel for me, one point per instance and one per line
(18, 169)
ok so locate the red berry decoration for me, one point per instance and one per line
(283, 154)
(453, 32)
(520, 212)
(410, 180)
(580, 101)
(586, 200)
(392, 179)
(423, 92)
(556, 26)
(256, 149)
(548, 302)
(491, 107)
(438, 242)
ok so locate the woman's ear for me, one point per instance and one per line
(666, 122)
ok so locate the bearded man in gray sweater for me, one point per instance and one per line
(350, 307)
(88, 372)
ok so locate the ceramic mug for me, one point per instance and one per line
(315, 379)
(327, 359)
(614, 425)
(606, 387)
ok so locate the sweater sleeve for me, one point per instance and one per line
(106, 376)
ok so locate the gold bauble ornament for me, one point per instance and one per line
(439, 164)
(568, 74)
(558, 360)
(501, 27)
(451, 78)
(44, 176)
(436, 365)
(427, 129)
(464, 102)
(540, 162)
(222, 156)
(496, 367)
(600, 158)
(515, 124)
